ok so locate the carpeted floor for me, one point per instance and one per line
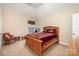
(0, 52)
(20, 49)
(74, 46)
(77, 43)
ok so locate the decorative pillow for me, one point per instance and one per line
(7, 36)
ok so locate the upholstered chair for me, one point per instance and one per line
(8, 38)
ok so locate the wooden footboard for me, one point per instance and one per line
(35, 44)
(49, 43)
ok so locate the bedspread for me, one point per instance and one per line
(43, 36)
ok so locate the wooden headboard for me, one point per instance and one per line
(52, 29)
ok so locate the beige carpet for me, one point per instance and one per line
(20, 49)
(74, 46)
(77, 43)
(0, 52)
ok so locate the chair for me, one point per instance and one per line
(8, 38)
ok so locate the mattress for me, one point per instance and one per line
(44, 37)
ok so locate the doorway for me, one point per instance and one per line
(75, 25)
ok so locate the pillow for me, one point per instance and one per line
(45, 30)
(7, 36)
(50, 31)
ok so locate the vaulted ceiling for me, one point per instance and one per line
(41, 9)
(34, 5)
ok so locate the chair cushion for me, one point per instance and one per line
(8, 36)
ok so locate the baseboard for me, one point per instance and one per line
(63, 43)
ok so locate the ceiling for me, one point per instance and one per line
(19, 8)
(41, 9)
(52, 8)
(34, 5)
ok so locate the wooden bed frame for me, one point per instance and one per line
(36, 44)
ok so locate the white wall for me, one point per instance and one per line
(15, 17)
(0, 26)
(62, 18)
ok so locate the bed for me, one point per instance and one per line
(40, 41)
